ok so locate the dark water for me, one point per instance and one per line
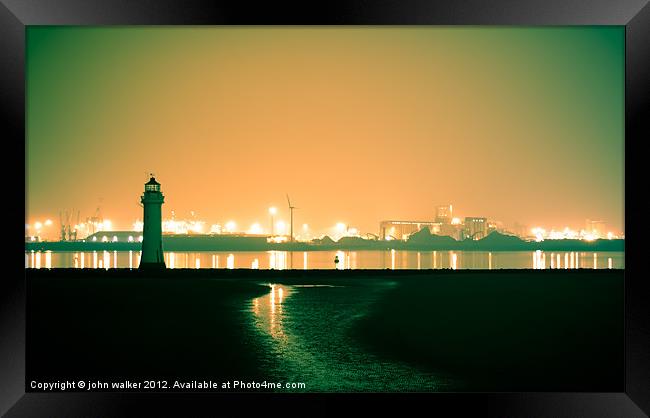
(336, 332)
(305, 332)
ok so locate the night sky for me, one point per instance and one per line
(357, 124)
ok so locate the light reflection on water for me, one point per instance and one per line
(282, 260)
(268, 312)
(305, 333)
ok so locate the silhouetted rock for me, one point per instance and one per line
(326, 240)
(422, 235)
(497, 241)
(354, 242)
(424, 239)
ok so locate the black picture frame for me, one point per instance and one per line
(15, 15)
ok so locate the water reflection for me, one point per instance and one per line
(566, 261)
(171, 260)
(539, 262)
(305, 332)
(340, 255)
(277, 260)
(269, 314)
(390, 259)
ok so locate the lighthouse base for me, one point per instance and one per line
(152, 266)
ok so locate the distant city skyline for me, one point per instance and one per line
(357, 125)
(444, 223)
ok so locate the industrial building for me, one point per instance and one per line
(596, 228)
(401, 230)
(444, 214)
(476, 228)
(454, 230)
(115, 236)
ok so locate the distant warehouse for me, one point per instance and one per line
(476, 228)
(401, 230)
(186, 242)
(115, 236)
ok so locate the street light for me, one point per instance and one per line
(272, 212)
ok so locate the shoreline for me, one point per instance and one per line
(334, 274)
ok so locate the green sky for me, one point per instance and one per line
(357, 124)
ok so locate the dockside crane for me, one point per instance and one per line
(96, 219)
(62, 226)
(72, 232)
(68, 220)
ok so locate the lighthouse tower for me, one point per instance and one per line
(152, 251)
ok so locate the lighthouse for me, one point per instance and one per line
(152, 251)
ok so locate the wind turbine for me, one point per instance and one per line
(291, 208)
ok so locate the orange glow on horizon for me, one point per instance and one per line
(361, 124)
